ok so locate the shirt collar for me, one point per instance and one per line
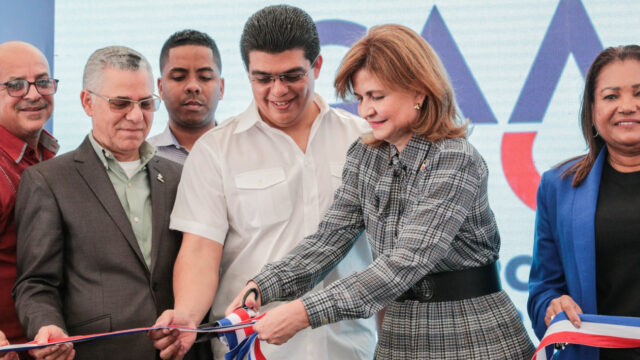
(251, 116)
(16, 147)
(166, 138)
(147, 151)
(414, 153)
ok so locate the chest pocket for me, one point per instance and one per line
(264, 196)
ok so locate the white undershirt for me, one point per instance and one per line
(129, 167)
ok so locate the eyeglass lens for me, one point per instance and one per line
(287, 77)
(125, 105)
(20, 87)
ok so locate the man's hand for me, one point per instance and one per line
(281, 323)
(54, 352)
(173, 344)
(251, 301)
(8, 356)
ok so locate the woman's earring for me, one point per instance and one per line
(417, 106)
(597, 133)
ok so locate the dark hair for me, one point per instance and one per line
(402, 59)
(189, 37)
(595, 142)
(279, 28)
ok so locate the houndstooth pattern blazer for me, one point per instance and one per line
(425, 210)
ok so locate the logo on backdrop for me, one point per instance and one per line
(570, 32)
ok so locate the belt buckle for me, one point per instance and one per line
(431, 285)
(419, 294)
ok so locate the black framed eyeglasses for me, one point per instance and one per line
(123, 105)
(20, 87)
(286, 78)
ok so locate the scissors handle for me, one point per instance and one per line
(246, 295)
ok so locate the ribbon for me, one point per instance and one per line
(595, 330)
(236, 331)
(243, 342)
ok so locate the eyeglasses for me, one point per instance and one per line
(122, 105)
(286, 78)
(20, 87)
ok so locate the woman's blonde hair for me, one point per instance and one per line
(400, 59)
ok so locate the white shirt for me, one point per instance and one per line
(249, 187)
(129, 167)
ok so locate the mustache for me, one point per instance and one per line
(195, 98)
(27, 104)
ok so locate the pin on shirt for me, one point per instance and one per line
(160, 178)
(423, 165)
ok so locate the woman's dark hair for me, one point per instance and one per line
(594, 141)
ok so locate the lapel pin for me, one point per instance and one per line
(160, 178)
(423, 165)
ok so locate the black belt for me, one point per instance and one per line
(457, 285)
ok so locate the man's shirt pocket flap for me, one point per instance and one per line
(260, 179)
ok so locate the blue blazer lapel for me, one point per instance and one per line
(583, 228)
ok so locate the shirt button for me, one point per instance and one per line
(136, 219)
(129, 184)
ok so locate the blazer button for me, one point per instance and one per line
(154, 286)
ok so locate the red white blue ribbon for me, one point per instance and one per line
(243, 342)
(595, 330)
(236, 330)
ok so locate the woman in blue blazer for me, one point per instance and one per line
(587, 250)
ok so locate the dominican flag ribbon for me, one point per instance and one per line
(242, 341)
(236, 330)
(595, 330)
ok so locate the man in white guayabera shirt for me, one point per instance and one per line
(255, 185)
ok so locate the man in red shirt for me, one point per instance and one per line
(26, 103)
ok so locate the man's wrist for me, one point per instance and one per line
(181, 312)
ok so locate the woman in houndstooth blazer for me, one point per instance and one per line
(419, 190)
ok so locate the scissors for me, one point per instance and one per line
(210, 335)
